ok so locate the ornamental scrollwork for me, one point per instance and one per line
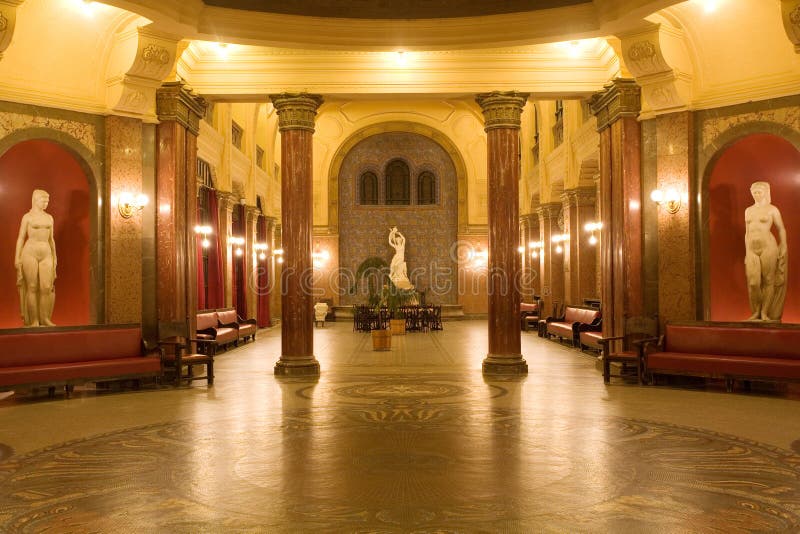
(155, 54)
(3, 22)
(794, 16)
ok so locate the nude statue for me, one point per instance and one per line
(765, 257)
(398, 271)
(35, 262)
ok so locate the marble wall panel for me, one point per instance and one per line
(84, 132)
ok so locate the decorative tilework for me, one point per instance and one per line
(430, 230)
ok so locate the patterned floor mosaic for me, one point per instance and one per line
(398, 453)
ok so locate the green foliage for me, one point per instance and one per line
(393, 298)
(376, 271)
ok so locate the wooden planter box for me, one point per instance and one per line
(381, 340)
(398, 326)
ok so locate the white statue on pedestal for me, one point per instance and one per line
(765, 257)
(398, 272)
(35, 262)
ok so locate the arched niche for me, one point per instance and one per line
(44, 159)
(742, 160)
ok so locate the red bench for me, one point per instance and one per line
(566, 327)
(750, 351)
(212, 334)
(70, 356)
(245, 328)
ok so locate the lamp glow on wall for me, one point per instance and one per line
(261, 250)
(278, 254)
(204, 231)
(320, 257)
(593, 227)
(536, 248)
(558, 239)
(238, 243)
(478, 256)
(669, 200)
(129, 203)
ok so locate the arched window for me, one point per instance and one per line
(398, 177)
(368, 188)
(426, 188)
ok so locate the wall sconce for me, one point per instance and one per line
(558, 239)
(237, 242)
(593, 227)
(204, 230)
(320, 257)
(671, 200)
(127, 203)
(520, 249)
(478, 257)
(262, 248)
(536, 248)
(278, 253)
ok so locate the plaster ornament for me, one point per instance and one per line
(155, 54)
(765, 257)
(398, 271)
(320, 312)
(3, 22)
(35, 262)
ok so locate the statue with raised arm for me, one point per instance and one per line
(398, 271)
(35, 262)
(765, 259)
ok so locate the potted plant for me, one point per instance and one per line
(395, 298)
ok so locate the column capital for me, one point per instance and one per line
(549, 211)
(790, 11)
(175, 101)
(618, 99)
(252, 212)
(296, 111)
(501, 109)
(227, 200)
(580, 196)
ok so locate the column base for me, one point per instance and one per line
(297, 367)
(505, 364)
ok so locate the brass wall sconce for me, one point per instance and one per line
(262, 250)
(238, 243)
(536, 248)
(670, 200)
(558, 239)
(593, 227)
(204, 231)
(129, 203)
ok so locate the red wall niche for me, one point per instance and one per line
(757, 157)
(42, 164)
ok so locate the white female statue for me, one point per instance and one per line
(398, 272)
(35, 261)
(765, 257)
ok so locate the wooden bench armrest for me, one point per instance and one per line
(246, 321)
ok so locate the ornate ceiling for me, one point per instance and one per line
(394, 9)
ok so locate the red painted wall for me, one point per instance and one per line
(757, 157)
(40, 164)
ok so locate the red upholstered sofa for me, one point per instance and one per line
(529, 313)
(756, 351)
(212, 334)
(566, 327)
(589, 336)
(70, 356)
(246, 328)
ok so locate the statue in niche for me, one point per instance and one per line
(35, 261)
(765, 259)
(398, 271)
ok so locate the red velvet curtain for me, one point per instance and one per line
(263, 317)
(216, 285)
(239, 293)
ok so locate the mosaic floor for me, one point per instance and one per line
(412, 440)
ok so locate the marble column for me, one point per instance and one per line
(551, 262)
(616, 109)
(179, 111)
(296, 114)
(529, 231)
(579, 255)
(502, 111)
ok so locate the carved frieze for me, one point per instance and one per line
(620, 98)
(3, 22)
(155, 54)
(791, 21)
(177, 102)
(296, 111)
(579, 197)
(549, 211)
(501, 109)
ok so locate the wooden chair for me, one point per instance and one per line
(173, 357)
(628, 359)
